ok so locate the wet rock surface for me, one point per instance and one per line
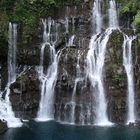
(116, 79)
(65, 85)
(137, 78)
(25, 95)
(3, 126)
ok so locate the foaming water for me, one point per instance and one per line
(95, 64)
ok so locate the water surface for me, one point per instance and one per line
(56, 131)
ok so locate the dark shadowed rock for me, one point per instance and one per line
(25, 95)
(3, 126)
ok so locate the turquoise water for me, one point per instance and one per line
(56, 131)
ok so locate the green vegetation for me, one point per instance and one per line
(117, 78)
(27, 13)
(131, 8)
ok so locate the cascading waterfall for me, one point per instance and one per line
(113, 19)
(97, 16)
(6, 112)
(71, 41)
(73, 104)
(46, 39)
(67, 25)
(12, 53)
(73, 101)
(96, 58)
(127, 62)
(94, 111)
(46, 110)
(95, 64)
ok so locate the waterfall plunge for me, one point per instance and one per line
(127, 62)
(96, 58)
(46, 110)
(6, 112)
(73, 100)
(95, 64)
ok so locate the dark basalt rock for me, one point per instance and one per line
(3, 50)
(3, 126)
(3, 76)
(136, 65)
(65, 85)
(28, 55)
(115, 79)
(25, 95)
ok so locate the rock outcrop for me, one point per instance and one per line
(115, 79)
(25, 95)
(3, 126)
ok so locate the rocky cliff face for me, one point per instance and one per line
(25, 92)
(115, 79)
(137, 78)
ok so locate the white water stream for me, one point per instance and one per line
(6, 112)
(128, 64)
(48, 80)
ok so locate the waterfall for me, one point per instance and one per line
(67, 25)
(12, 53)
(73, 100)
(95, 64)
(96, 58)
(97, 16)
(71, 41)
(127, 62)
(6, 112)
(73, 103)
(85, 99)
(48, 80)
(113, 19)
